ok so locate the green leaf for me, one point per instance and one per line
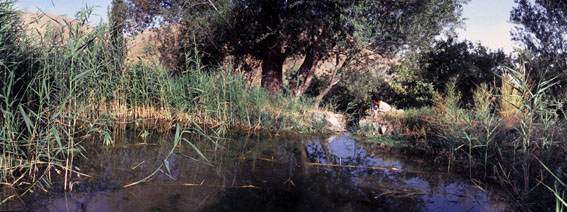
(27, 120)
(81, 75)
(57, 137)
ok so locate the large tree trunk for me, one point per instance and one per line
(272, 71)
(306, 71)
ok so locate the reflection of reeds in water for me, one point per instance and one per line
(249, 170)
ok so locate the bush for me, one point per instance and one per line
(408, 88)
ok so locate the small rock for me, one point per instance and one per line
(335, 122)
(383, 129)
(378, 124)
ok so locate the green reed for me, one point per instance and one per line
(70, 81)
(45, 84)
(495, 147)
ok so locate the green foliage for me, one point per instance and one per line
(534, 105)
(69, 83)
(543, 30)
(543, 33)
(317, 29)
(407, 87)
(419, 76)
(117, 22)
(118, 17)
(12, 55)
(417, 79)
(39, 97)
(486, 146)
(470, 66)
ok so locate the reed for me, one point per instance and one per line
(69, 83)
(512, 136)
(558, 188)
(41, 99)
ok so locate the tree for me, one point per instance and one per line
(544, 32)
(378, 27)
(181, 26)
(470, 65)
(273, 30)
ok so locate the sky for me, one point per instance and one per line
(67, 7)
(488, 23)
(487, 20)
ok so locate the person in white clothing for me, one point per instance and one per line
(378, 106)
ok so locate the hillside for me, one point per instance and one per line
(37, 24)
(145, 46)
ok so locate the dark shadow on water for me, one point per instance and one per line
(259, 173)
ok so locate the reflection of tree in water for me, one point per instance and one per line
(357, 176)
(315, 198)
(280, 166)
(111, 167)
(311, 188)
(316, 192)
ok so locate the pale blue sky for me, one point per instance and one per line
(487, 19)
(67, 7)
(488, 22)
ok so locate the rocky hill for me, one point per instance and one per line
(38, 24)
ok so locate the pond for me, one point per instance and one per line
(258, 173)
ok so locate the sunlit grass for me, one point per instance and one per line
(498, 139)
(62, 86)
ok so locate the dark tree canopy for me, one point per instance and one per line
(544, 32)
(272, 30)
(470, 65)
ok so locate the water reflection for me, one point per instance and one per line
(259, 173)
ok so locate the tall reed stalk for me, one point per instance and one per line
(533, 108)
(44, 98)
(70, 81)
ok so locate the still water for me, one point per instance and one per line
(258, 173)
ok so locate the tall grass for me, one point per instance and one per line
(214, 96)
(70, 82)
(499, 139)
(39, 96)
(559, 187)
(533, 109)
